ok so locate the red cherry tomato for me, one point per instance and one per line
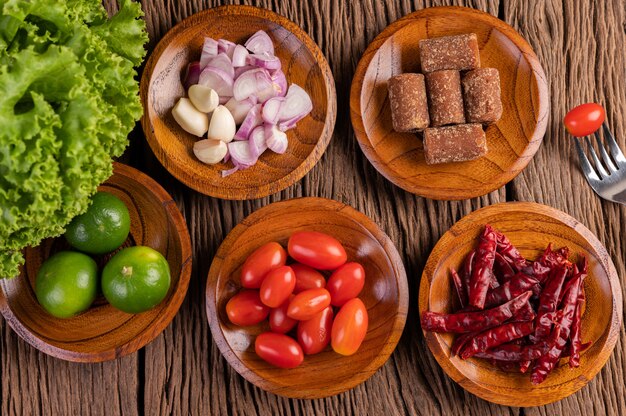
(345, 283)
(246, 308)
(317, 250)
(306, 304)
(277, 286)
(314, 334)
(264, 259)
(279, 321)
(279, 350)
(349, 327)
(585, 119)
(307, 278)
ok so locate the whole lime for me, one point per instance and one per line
(102, 228)
(67, 283)
(136, 279)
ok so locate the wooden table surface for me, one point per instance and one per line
(581, 45)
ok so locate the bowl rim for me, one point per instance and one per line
(433, 340)
(539, 77)
(157, 325)
(201, 184)
(390, 343)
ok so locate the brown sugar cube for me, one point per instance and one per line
(454, 143)
(481, 95)
(445, 98)
(409, 108)
(458, 52)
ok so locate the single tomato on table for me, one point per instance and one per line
(345, 283)
(246, 308)
(584, 119)
(306, 304)
(307, 278)
(349, 327)
(264, 259)
(314, 334)
(279, 350)
(317, 250)
(277, 286)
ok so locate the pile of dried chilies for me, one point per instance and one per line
(517, 313)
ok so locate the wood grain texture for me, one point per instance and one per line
(303, 64)
(580, 44)
(385, 296)
(511, 142)
(530, 227)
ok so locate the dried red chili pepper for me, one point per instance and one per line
(461, 340)
(517, 285)
(518, 352)
(548, 300)
(525, 314)
(582, 267)
(482, 268)
(576, 341)
(524, 366)
(467, 270)
(509, 252)
(474, 321)
(458, 287)
(540, 269)
(502, 269)
(496, 336)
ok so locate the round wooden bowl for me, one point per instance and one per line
(512, 141)
(385, 295)
(530, 227)
(302, 62)
(102, 332)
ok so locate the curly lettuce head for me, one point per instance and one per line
(68, 99)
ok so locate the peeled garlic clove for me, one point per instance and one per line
(189, 118)
(203, 98)
(210, 151)
(222, 126)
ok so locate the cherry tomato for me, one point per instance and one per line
(314, 334)
(585, 119)
(317, 250)
(349, 327)
(345, 283)
(307, 278)
(246, 308)
(264, 259)
(277, 286)
(279, 321)
(279, 350)
(306, 304)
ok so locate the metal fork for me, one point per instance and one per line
(608, 180)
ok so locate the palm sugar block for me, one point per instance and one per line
(409, 108)
(481, 94)
(445, 98)
(459, 52)
(458, 143)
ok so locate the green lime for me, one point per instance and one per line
(67, 283)
(102, 228)
(136, 279)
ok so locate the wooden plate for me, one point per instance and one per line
(512, 141)
(102, 332)
(303, 64)
(530, 227)
(385, 295)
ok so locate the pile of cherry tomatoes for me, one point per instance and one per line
(297, 296)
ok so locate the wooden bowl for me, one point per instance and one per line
(303, 64)
(102, 332)
(512, 141)
(530, 227)
(385, 295)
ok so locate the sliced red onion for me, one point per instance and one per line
(298, 104)
(255, 82)
(229, 172)
(227, 156)
(192, 74)
(271, 110)
(241, 70)
(288, 124)
(226, 47)
(241, 155)
(260, 42)
(239, 109)
(257, 141)
(264, 60)
(275, 139)
(222, 62)
(224, 99)
(252, 120)
(218, 80)
(280, 82)
(209, 50)
(239, 56)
